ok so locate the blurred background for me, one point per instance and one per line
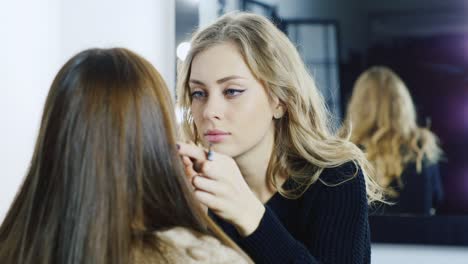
(423, 41)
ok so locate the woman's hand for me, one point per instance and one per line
(220, 186)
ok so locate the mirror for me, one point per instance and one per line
(426, 43)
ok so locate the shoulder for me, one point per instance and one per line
(186, 238)
(339, 193)
(182, 245)
(342, 184)
(427, 166)
(348, 173)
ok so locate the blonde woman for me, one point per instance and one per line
(264, 162)
(405, 156)
(106, 185)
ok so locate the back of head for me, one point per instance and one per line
(105, 173)
(383, 119)
(381, 103)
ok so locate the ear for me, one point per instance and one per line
(278, 108)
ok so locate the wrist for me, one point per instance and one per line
(251, 219)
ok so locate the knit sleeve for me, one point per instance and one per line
(272, 243)
(338, 231)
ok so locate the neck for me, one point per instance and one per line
(254, 164)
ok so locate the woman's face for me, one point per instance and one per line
(231, 108)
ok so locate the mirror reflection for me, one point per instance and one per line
(404, 155)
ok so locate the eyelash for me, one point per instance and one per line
(237, 91)
(199, 94)
(196, 94)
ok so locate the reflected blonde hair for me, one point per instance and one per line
(304, 145)
(383, 117)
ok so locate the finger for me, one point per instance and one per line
(192, 151)
(189, 166)
(208, 185)
(208, 199)
(205, 168)
(187, 162)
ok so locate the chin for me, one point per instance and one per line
(226, 150)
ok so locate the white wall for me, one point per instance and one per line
(37, 37)
(29, 44)
(402, 254)
(207, 12)
(145, 26)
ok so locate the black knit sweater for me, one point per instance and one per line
(327, 224)
(419, 194)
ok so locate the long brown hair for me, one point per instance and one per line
(105, 173)
(383, 119)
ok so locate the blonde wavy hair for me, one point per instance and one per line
(304, 144)
(383, 118)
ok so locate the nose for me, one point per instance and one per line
(213, 108)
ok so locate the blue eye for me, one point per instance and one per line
(197, 94)
(233, 92)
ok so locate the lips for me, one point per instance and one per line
(216, 136)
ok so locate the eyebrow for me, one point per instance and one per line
(220, 81)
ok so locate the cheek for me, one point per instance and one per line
(196, 109)
(254, 114)
(196, 112)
